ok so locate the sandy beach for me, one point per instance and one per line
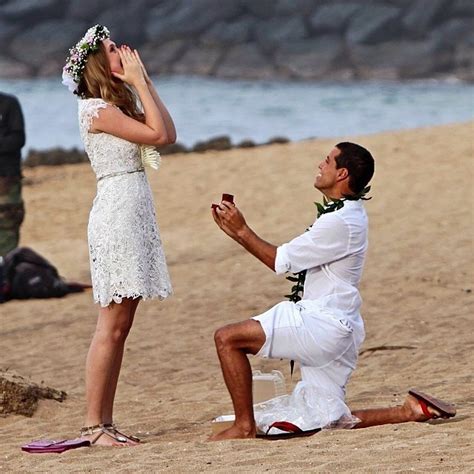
(417, 290)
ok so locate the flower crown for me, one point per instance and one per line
(77, 59)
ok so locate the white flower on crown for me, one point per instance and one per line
(77, 59)
(68, 81)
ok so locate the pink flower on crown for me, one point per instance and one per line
(76, 62)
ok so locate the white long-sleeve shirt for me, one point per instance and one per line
(333, 252)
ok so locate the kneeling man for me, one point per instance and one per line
(323, 331)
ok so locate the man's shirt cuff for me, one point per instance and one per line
(282, 262)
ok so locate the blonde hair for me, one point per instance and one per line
(98, 82)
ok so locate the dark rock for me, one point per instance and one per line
(401, 59)
(311, 59)
(280, 30)
(155, 26)
(198, 60)
(173, 148)
(246, 144)
(28, 12)
(373, 24)
(48, 40)
(8, 30)
(260, 8)
(190, 18)
(401, 3)
(463, 7)
(422, 14)
(239, 31)
(277, 141)
(246, 61)
(159, 58)
(295, 7)
(50, 67)
(332, 17)
(54, 156)
(12, 69)
(254, 39)
(20, 396)
(125, 23)
(218, 143)
(464, 59)
(87, 10)
(381, 61)
(452, 32)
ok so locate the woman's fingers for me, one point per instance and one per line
(118, 76)
(125, 54)
(129, 61)
(136, 57)
(139, 59)
(123, 57)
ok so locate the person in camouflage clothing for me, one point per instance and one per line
(12, 139)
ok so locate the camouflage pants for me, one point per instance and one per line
(12, 213)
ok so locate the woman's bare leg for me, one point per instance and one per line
(108, 406)
(113, 325)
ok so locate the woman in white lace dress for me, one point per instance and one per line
(126, 255)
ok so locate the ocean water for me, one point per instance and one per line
(258, 110)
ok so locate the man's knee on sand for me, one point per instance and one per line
(246, 335)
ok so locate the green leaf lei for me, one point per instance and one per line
(326, 207)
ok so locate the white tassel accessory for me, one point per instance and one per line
(150, 156)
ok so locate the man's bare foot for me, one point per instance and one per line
(415, 411)
(234, 432)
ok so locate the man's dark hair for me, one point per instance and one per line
(359, 163)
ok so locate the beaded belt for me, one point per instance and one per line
(120, 173)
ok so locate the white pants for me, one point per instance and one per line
(326, 345)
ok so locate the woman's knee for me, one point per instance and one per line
(115, 326)
(120, 333)
(112, 334)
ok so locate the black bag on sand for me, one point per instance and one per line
(27, 274)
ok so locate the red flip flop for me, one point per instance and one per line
(446, 410)
(291, 431)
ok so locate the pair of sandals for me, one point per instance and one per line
(107, 429)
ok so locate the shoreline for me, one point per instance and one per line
(258, 111)
(57, 156)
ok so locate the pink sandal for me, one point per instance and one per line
(44, 446)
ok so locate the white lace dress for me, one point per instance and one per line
(126, 254)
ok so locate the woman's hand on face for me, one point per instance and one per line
(132, 69)
(145, 73)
